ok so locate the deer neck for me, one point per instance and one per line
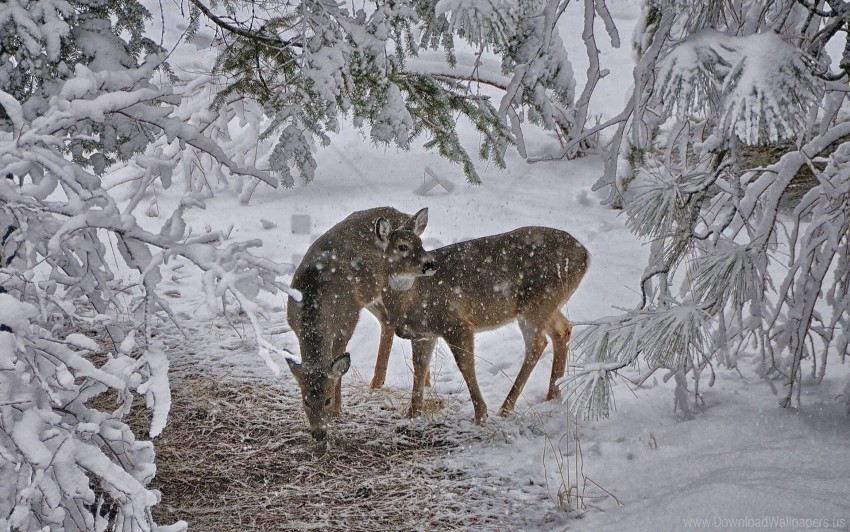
(401, 283)
(326, 314)
(399, 302)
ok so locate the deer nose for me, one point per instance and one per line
(429, 267)
(319, 434)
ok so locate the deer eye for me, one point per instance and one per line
(403, 247)
(327, 402)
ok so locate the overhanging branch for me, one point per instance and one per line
(248, 34)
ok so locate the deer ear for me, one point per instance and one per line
(420, 220)
(341, 365)
(295, 368)
(382, 232)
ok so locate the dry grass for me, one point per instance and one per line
(236, 456)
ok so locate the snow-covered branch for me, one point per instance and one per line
(734, 159)
(68, 113)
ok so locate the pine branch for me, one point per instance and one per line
(258, 36)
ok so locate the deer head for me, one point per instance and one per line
(405, 257)
(319, 388)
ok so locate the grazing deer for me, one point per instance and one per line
(526, 274)
(341, 273)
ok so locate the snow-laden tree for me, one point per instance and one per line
(731, 158)
(78, 93)
(395, 70)
(235, 125)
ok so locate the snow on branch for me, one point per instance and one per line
(591, 396)
(759, 85)
(665, 337)
(67, 457)
(809, 305)
(659, 197)
(732, 160)
(481, 23)
(730, 273)
(66, 464)
(675, 338)
(371, 65)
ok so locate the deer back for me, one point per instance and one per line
(489, 281)
(341, 272)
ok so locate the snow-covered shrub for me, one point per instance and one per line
(76, 95)
(63, 464)
(731, 268)
(236, 125)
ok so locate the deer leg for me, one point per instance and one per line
(337, 349)
(461, 341)
(384, 348)
(535, 343)
(422, 349)
(560, 330)
(337, 407)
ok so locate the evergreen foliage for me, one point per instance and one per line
(314, 63)
(739, 258)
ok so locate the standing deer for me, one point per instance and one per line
(341, 273)
(526, 274)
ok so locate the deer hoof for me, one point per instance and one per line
(553, 394)
(505, 412)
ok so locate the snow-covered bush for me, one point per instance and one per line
(63, 464)
(738, 262)
(76, 95)
(236, 125)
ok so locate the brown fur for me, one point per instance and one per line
(526, 274)
(343, 272)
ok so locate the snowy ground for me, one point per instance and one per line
(741, 462)
(741, 457)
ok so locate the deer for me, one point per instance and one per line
(524, 275)
(343, 272)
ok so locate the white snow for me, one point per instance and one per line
(740, 457)
(739, 461)
(15, 314)
(83, 342)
